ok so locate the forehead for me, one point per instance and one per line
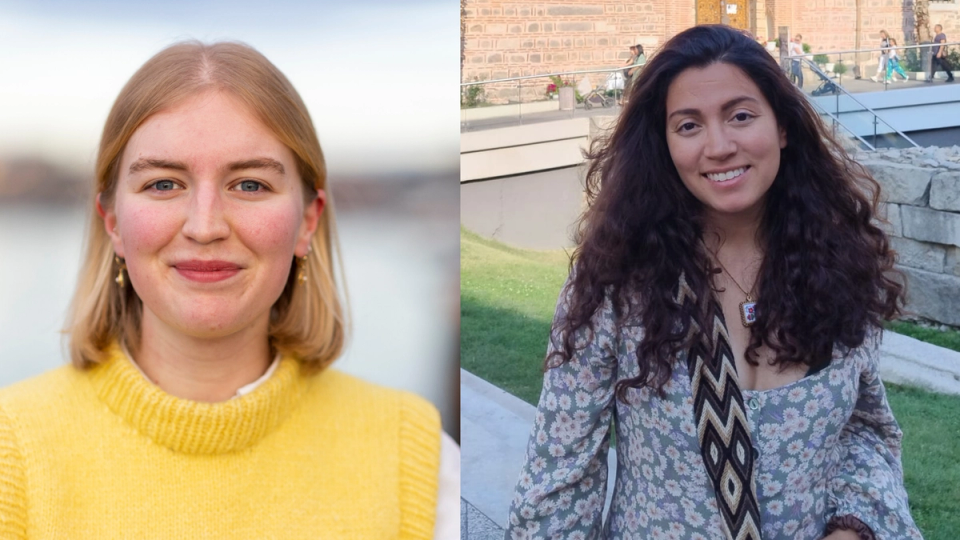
(205, 129)
(708, 88)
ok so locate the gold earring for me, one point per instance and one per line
(302, 268)
(123, 266)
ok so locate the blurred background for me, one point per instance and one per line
(371, 74)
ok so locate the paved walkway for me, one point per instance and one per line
(495, 426)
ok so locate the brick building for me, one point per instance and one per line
(509, 39)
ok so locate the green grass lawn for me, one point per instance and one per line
(507, 302)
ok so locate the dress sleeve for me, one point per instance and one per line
(560, 493)
(13, 508)
(869, 481)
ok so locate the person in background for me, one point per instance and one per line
(200, 401)
(796, 54)
(884, 55)
(939, 60)
(893, 63)
(638, 61)
(630, 61)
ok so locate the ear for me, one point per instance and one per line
(110, 226)
(783, 138)
(311, 218)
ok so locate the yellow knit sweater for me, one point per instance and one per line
(105, 454)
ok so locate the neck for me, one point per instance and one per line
(737, 234)
(201, 369)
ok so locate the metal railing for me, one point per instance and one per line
(891, 136)
(520, 102)
(837, 58)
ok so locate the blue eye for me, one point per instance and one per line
(164, 185)
(250, 185)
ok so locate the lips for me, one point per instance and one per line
(207, 271)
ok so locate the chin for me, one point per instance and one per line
(212, 322)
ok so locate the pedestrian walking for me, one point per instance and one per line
(893, 63)
(882, 62)
(939, 61)
(723, 315)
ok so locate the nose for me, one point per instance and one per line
(720, 144)
(205, 221)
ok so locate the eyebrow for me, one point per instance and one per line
(256, 163)
(726, 106)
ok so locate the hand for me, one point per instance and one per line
(842, 534)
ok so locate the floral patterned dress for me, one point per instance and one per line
(826, 445)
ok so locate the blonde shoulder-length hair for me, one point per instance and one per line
(308, 320)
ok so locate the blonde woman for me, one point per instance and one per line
(199, 402)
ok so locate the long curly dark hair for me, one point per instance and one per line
(827, 273)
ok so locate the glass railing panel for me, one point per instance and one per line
(531, 99)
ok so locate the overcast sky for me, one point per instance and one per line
(378, 77)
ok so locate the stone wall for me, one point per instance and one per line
(512, 39)
(921, 187)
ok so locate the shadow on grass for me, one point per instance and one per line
(503, 347)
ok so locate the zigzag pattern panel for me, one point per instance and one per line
(722, 425)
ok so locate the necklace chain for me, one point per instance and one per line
(745, 293)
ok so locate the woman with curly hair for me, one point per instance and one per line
(723, 313)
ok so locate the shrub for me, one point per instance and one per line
(472, 96)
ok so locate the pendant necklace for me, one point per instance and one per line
(748, 308)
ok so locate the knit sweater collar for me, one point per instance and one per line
(192, 427)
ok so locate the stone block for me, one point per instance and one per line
(518, 58)
(516, 29)
(548, 27)
(533, 27)
(930, 225)
(534, 58)
(945, 191)
(951, 264)
(559, 11)
(933, 296)
(496, 29)
(923, 255)
(503, 44)
(555, 43)
(495, 58)
(904, 184)
(575, 26)
(890, 213)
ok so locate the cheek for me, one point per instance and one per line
(146, 229)
(270, 231)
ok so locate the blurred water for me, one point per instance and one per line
(401, 273)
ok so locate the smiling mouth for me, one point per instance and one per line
(726, 176)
